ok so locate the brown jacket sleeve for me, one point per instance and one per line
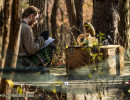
(28, 40)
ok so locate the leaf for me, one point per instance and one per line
(66, 46)
(90, 75)
(102, 34)
(103, 38)
(97, 35)
(53, 89)
(83, 48)
(122, 94)
(94, 55)
(86, 25)
(19, 90)
(93, 42)
(129, 91)
(75, 43)
(100, 54)
(91, 60)
(96, 44)
(100, 68)
(10, 82)
(100, 44)
(100, 72)
(99, 58)
(88, 49)
(95, 68)
(100, 96)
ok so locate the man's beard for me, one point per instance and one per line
(31, 23)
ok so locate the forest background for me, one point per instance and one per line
(64, 20)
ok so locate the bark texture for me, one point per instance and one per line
(112, 17)
(124, 23)
(12, 15)
(75, 16)
(6, 29)
(14, 34)
(53, 19)
(105, 18)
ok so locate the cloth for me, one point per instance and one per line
(28, 45)
(33, 63)
(45, 35)
(44, 54)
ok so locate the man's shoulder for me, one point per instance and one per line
(25, 26)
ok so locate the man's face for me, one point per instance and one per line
(33, 19)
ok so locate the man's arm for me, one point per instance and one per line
(29, 41)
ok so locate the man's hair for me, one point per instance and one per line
(30, 10)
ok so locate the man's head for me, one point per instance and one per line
(30, 15)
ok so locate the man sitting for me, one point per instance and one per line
(28, 43)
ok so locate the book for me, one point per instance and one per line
(47, 42)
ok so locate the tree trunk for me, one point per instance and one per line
(112, 17)
(14, 34)
(6, 29)
(1, 33)
(105, 18)
(72, 18)
(5, 33)
(53, 20)
(124, 26)
(75, 15)
(79, 15)
(1, 27)
(12, 51)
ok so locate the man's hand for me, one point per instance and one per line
(45, 35)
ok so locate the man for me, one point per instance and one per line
(28, 46)
(28, 43)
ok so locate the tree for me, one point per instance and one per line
(111, 17)
(53, 19)
(5, 17)
(12, 39)
(75, 16)
(105, 18)
(79, 14)
(124, 26)
(1, 27)
(6, 20)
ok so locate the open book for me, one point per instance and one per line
(47, 42)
